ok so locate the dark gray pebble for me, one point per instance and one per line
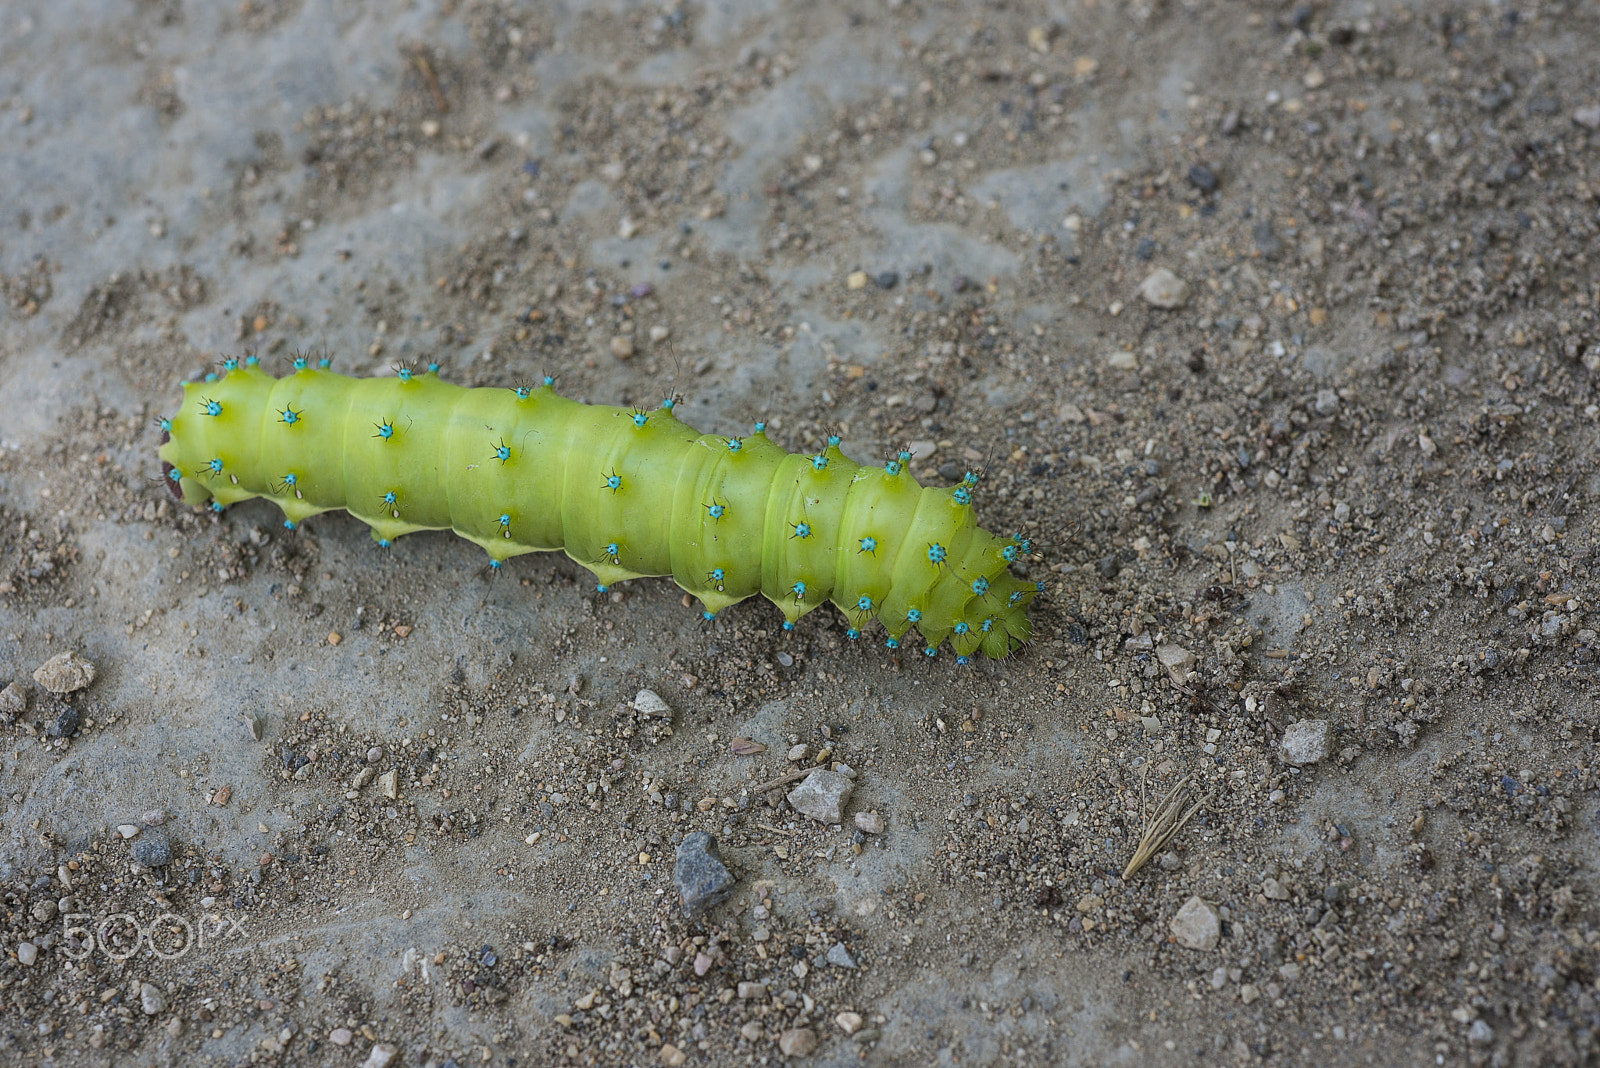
(65, 724)
(153, 852)
(1203, 178)
(699, 875)
(887, 279)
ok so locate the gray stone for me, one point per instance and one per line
(152, 852)
(1307, 741)
(699, 875)
(151, 999)
(1197, 925)
(870, 822)
(1480, 1033)
(13, 699)
(27, 953)
(840, 957)
(64, 673)
(1163, 289)
(822, 796)
(1588, 117)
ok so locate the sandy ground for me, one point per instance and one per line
(1326, 491)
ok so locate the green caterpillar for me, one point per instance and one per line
(626, 493)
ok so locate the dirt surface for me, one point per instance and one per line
(1328, 490)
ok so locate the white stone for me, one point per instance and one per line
(822, 796)
(1197, 925)
(1307, 741)
(380, 1056)
(1163, 289)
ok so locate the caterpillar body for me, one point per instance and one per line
(625, 492)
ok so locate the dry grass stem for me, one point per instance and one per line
(1163, 825)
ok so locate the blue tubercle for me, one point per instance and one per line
(640, 419)
(433, 367)
(252, 361)
(798, 589)
(802, 530)
(961, 627)
(708, 616)
(914, 615)
(166, 426)
(390, 497)
(716, 511)
(505, 519)
(1038, 587)
(980, 586)
(930, 651)
(669, 403)
(864, 603)
(495, 564)
(613, 482)
(718, 574)
(936, 553)
(1010, 554)
(734, 444)
(175, 475)
(962, 496)
(385, 430)
(905, 456)
(787, 625)
(761, 428)
(324, 363)
(301, 363)
(602, 588)
(502, 451)
(289, 524)
(215, 466)
(869, 545)
(549, 380)
(289, 415)
(892, 467)
(987, 625)
(852, 633)
(404, 374)
(216, 506)
(893, 643)
(211, 376)
(290, 479)
(212, 407)
(819, 462)
(963, 660)
(384, 543)
(523, 392)
(230, 364)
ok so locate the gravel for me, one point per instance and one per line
(153, 851)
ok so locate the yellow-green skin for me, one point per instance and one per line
(521, 471)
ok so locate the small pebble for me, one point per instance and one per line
(1588, 117)
(64, 673)
(151, 999)
(374, 755)
(27, 953)
(1197, 925)
(13, 699)
(381, 1055)
(152, 852)
(1203, 178)
(622, 347)
(840, 957)
(870, 822)
(127, 830)
(702, 964)
(749, 991)
(797, 1042)
(699, 875)
(154, 818)
(650, 703)
(65, 725)
(1307, 741)
(340, 1036)
(822, 796)
(1480, 1033)
(887, 279)
(856, 280)
(849, 1022)
(1163, 289)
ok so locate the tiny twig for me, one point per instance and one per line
(787, 777)
(1163, 826)
(777, 830)
(432, 79)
